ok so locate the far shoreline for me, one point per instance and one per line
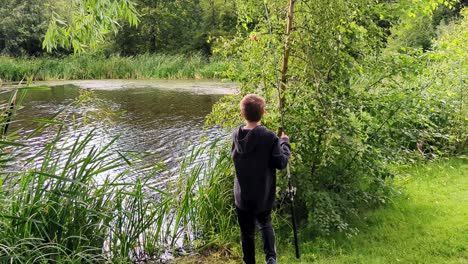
(92, 67)
(198, 86)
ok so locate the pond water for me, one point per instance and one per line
(164, 117)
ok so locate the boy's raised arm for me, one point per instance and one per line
(281, 151)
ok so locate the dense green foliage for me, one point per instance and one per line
(62, 27)
(419, 22)
(353, 106)
(28, 26)
(75, 210)
(176, 27)
(86, 24)
(88, 66)
(22, 26)
(114, 26)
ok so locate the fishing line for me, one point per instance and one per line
(275, 61)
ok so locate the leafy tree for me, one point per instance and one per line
(417, 21)
(176, 26)
(167, 26)
(23, 24)
(88, 23)
(219, 20)
(28, 26)
(347, 102)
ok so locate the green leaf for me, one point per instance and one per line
(46, 121)
(9, 143)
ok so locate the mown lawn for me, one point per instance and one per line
(427, 223)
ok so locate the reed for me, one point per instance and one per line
(72, 207)
(205, 206)
(88, 66)
(75, 201)
(78, 201)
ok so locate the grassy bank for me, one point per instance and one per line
(115, 67)
(427, 223)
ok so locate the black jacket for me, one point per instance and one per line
(257, 153)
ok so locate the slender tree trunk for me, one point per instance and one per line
(284, 69)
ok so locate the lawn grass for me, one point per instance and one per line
(427, 223)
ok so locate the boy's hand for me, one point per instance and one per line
(284, 136)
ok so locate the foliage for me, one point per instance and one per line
(205, 206)
(420, 34)
(62, 26)
(418, 22)
(175, 27)
(95, 66)
(72, 213)
(22, 26)
(322, 111)
(448, 63)
(351, 109)
(432, 110)
(28, 26)
(166, 26)
(88, 23)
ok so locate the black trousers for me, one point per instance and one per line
(247, 220)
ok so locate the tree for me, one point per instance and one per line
(166, 26)
(23, 25)
(176, 26)
(344, 98)
(88, 23)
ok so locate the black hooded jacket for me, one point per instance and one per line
(257, 153)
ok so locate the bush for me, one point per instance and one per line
(351, 110)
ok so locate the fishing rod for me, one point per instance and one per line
(291, 192)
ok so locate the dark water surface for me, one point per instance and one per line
(165, 117)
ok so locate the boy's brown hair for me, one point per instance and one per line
(252, 106)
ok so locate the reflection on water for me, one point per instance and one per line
(148, 118)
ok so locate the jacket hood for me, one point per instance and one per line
(245, 140)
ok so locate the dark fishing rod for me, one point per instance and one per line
(291, 191)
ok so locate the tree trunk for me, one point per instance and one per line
(284, 69)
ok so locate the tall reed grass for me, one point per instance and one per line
(205, 207)
(72, 201)
(88, 66)
(75, 201)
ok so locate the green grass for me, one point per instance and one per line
(427, 223)
(87, 66)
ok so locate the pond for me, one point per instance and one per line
(158, 116)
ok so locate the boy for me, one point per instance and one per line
(257, 153)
